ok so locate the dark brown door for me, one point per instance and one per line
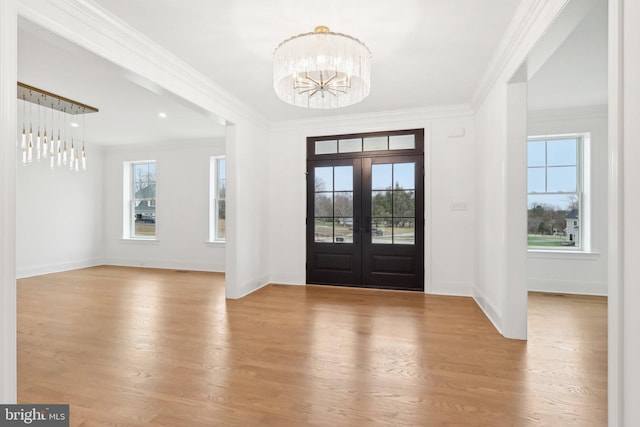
(334, 238)
(365, 220)
(393, 235)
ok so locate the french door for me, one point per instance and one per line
(365, 219)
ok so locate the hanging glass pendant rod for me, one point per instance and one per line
(64, 106)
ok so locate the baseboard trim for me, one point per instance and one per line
(489, 310)
(457, 289)
(166, 264)
(57, 268)
(567, 287)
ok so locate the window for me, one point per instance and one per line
(555, 169)
(140, 200)
(397, 141)
(217, 190)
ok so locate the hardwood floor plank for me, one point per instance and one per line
(143, 347)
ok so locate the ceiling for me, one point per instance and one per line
(426, 53)
(128, 111)
(575, 75)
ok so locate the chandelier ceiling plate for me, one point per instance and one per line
(51, 100)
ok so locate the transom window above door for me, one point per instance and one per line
(371, 143)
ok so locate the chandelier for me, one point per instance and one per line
(37, 145)
(322, 70)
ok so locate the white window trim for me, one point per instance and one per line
(213, 211)
(584, 194)
(127, 203)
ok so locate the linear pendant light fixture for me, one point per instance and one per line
(47, 146)
(322, 69)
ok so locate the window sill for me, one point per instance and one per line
(215, 243)
(563, 254)
(139, 239)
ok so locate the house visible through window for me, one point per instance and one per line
(554, 182)
(217, 200)
(140, 211)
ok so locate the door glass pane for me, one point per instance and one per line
(381, 202)
(402, 142)
(333, 204)
(323, 205)
(378, 143)
(393, 203)
(381, 177)
(326, 147)
(343, 230)
(382, 231)
(404, 176)
(404, 204)
(343, 204)
(343, 178)
(324, 230)
(404, 231)
(324, 179)
(350, 145)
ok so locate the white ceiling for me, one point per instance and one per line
(575, 74)
(426, 53)
(128, 111)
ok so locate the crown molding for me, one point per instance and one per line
(90, 26)
(383, 119)
(530, 21)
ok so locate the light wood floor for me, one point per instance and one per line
(140, 347)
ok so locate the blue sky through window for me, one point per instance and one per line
(552, 168)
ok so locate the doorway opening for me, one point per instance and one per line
(365, 210)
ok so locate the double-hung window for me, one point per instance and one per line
(555, 192)
(139, 220)
(217, 190)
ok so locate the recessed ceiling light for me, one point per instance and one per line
(162, 115)
(75, 125)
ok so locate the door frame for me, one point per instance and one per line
(422, 238)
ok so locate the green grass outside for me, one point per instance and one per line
(537, 240)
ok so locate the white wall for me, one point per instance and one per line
(8, 93)
(581, 273)
(500, 196)
(449, 266)
(630, 307)
(182, 227)
(60, 217)
(247, 224)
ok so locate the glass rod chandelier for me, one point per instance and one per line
(38, 145)
(322, 70)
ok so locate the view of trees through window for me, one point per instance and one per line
(392, 204)
(333, 204)
(554, 208)
(219, 199)
(144, 199)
